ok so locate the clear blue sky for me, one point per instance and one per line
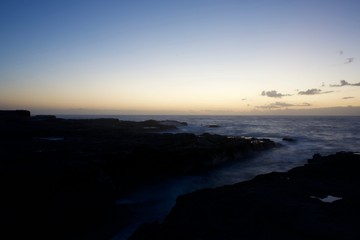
(181, 57)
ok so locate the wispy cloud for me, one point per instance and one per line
(277, 105)
(345, 83)
(347, 97)
(313, 91)
(274, 94)
(349, 60)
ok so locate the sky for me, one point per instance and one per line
(180, 57)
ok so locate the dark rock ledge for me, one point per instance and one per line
(61, 178)
(320, 200)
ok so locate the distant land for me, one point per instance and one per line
(330, 111)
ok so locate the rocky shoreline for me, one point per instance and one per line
(63, 176)
(320, 200)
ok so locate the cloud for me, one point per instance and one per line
(345, 83)
(349, 60)
(342, 83)
(347, 97)
(277, 105)
(313, 91)
(274, 94)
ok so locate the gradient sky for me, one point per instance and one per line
(179, 57)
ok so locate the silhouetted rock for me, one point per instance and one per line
(320, 200)
(63, 176)
(14, 115)
(213, 126)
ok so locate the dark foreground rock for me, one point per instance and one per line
(14, 115)
(320, 200)
(60, 178)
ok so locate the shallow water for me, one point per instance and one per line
(323, 135)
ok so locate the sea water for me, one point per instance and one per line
(310, 134)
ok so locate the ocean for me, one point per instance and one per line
(311, 134)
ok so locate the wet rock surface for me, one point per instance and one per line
(320, 200)
(60, 178)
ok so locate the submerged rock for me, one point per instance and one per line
(289, 139)
(173, 123)
(44, 117)
(320, 200)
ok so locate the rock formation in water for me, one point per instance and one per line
(320, 200)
